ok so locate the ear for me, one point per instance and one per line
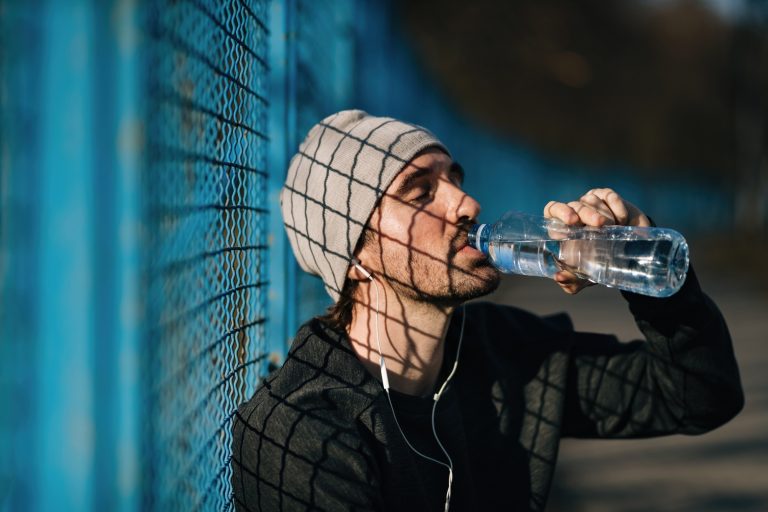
(357, 274)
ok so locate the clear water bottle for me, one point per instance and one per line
(649, 261)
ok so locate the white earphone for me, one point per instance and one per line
(362, 270)
(385, 384)
(369, 276)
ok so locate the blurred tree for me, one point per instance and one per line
(657, 85)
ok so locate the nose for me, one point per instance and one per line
(462, 208)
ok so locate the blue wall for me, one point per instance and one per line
(69, 263)
(313, 50)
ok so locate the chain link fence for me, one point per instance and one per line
(206, 228)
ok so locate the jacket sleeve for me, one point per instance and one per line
(287, 459)
(683, 378)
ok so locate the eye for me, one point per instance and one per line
(421, 195)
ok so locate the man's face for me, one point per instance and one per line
(420, 234)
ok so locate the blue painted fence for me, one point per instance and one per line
(133, 248)
(205, 216)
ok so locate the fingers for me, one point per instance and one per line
(570, 283)
(590, 210)
(611, 204)
(598, 207)
(561, 211)
(591, 215)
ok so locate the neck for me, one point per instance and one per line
(411, 333)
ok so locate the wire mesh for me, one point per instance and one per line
(205, 191)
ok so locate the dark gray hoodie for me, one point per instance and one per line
(319, 433)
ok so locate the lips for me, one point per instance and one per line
(461, 242)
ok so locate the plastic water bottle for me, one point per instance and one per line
(649, 261)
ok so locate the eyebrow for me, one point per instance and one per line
(409, 181)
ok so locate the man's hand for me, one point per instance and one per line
(598, 207)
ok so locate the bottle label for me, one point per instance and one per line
(480, 245)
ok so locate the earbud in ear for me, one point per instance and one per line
(359, 267)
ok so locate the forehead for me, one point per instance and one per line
(432, 159)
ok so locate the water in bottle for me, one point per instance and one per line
(650, 261)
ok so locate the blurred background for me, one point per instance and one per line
(146, 284)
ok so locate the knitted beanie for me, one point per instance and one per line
(334, 183)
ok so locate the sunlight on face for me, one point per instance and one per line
(420, 227)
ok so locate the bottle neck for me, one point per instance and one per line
(478, 237)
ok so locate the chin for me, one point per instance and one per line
(480, 281)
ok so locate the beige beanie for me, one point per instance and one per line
(334, 183)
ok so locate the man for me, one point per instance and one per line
(403, 397)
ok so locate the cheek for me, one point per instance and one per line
(414, 229)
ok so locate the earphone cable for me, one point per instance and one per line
(436, 397)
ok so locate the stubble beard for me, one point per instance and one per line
(424, 280)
